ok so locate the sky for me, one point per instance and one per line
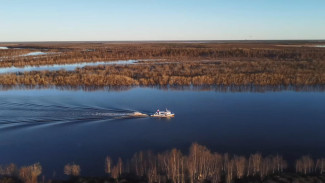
(132, 20)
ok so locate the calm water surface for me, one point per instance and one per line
(57, 127)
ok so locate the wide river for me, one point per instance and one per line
(56, 127)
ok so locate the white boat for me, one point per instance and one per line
(163, 114)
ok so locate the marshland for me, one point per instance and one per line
(83, 87)
(164, 63)
(255, 108)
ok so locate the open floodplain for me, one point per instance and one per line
(64, 103)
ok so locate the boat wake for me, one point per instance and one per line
(122, 115)
(26, 114)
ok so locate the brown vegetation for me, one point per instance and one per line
(10, 170)
(212, 63)
(90, 52)
(29, 174)
(307, 165)
(185, 73)
(200, 165)
(72, 170)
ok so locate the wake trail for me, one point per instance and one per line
(15, 115)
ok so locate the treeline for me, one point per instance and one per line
(200, 165)
(82, 52)
(226, 73)
(26, 174)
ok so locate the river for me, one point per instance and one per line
(56, 127)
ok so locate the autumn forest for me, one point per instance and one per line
(200, 165)
(175, 63)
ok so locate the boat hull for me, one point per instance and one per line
(163, 116)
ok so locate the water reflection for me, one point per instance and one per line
(216, 88)
(55, 127)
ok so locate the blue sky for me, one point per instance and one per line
(112, 20)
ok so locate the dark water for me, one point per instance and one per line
(56, 127)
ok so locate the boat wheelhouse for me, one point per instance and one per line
(163, 114)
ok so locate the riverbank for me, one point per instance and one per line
(200, 165)
(284, 178)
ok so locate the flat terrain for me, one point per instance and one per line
(90, 136)
(168, 63)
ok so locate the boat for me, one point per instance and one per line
(163, 114)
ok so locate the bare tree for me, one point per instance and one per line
(30, 173)
(10, 170)
(193, 162)
(266, 167)
(240, 162)
(305, 165)
(216, 164)
(230, 170)
(72, 170)
(255, 161)
(320, 165)
(117, 170)
(120, 165)
(199, 162)
(108, 164)
(174, 162)
(278, 164)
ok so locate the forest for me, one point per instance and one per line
(172, 64)
(65, 52)
(199, 165)
(267, 73)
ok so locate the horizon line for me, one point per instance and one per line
(180, 40)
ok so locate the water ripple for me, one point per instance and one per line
(16, 115)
